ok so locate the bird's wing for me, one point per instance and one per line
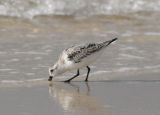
(77, 53)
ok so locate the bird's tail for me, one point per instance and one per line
(106, 43)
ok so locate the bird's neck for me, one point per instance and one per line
(61, 69)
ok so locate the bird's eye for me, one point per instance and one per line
(51, 70)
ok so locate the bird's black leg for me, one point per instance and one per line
(87, 73)
(73, 76)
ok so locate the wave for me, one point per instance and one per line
(31, 8)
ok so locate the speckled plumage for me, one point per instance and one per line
(77, 53)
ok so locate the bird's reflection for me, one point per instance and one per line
(75, 99)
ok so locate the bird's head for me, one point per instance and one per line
(53, 70)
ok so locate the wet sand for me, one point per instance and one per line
(115, 97)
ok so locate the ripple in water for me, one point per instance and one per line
(31, 8)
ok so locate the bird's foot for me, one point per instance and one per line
(86, 80)
(67, 81)
(50, 78)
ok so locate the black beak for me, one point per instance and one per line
(50, 78)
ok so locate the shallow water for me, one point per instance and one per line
(29, 47)
(123, 81)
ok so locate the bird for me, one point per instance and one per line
(77, 57)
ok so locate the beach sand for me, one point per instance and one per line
(112, 97)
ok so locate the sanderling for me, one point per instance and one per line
(77, 57)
